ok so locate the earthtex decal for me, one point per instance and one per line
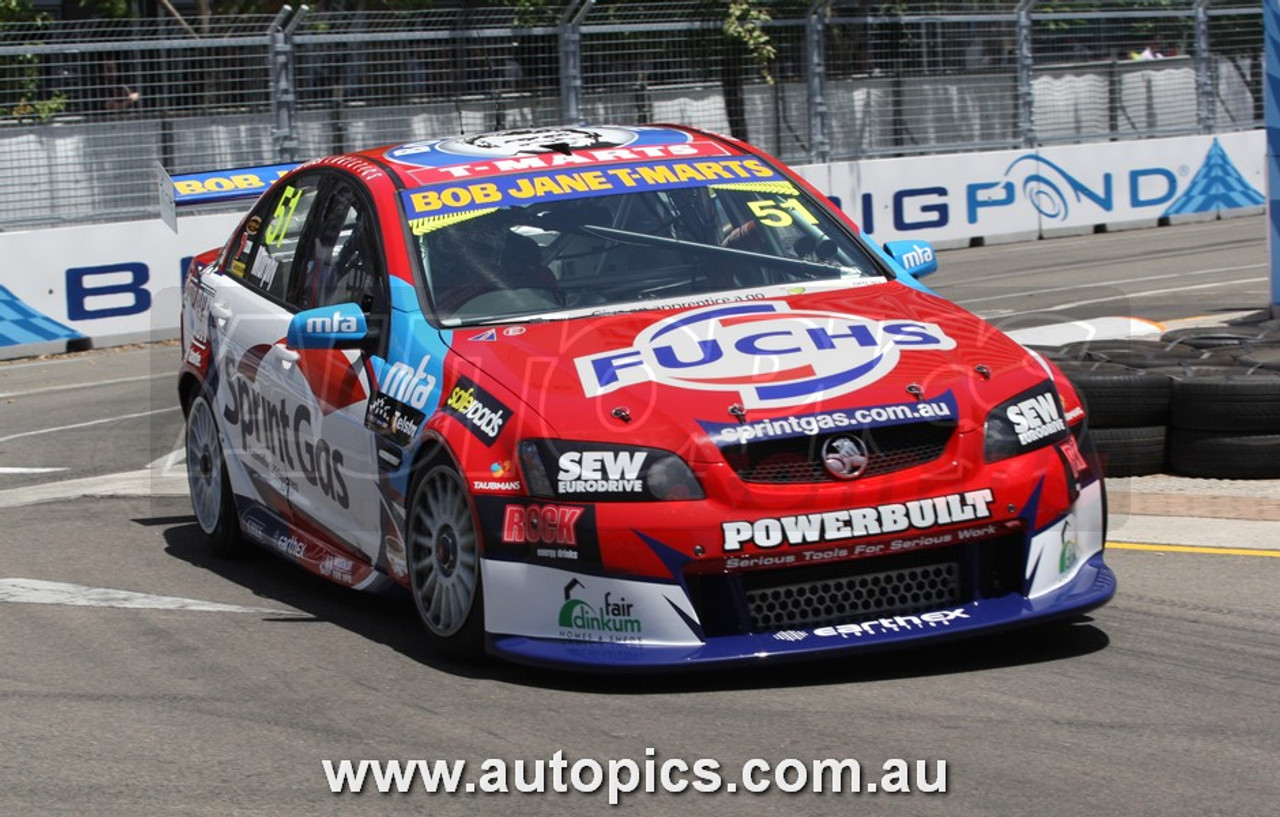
(857, 523)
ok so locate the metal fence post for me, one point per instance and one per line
(284, 86)
(1026, 61)
(571, 59)
(816, 46)
(1206, 110)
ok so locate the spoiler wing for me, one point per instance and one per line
(226, 185)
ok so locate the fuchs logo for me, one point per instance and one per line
(769, 354)
(611, 621)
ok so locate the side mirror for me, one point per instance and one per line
(916, 257)
(342, 326)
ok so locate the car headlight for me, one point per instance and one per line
(1025, 422)
(601, 472)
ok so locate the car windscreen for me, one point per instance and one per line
(613, 241)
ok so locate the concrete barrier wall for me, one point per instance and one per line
(118, 283)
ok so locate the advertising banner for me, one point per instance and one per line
(104, 284)
(1021, 194)
(119, 283)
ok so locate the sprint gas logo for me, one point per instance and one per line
(769, 354)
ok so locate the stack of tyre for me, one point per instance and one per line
(1199, 402)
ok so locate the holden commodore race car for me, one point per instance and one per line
(623, 397)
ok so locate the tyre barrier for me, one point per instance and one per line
(1198, 402)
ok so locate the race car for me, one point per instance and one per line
(623, 397)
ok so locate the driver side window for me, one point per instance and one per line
(267, 256)
(343, 266)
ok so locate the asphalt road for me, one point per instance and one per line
(1191, 270)
(1164, 703)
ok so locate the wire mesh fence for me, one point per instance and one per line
(88, 107)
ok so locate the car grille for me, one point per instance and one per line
(907, 590)
(815, 595)
(799, 459)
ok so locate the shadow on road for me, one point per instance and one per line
(389, 618)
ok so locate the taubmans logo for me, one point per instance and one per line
(769, 354)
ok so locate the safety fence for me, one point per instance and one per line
(88, 107)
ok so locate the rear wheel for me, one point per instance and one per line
(444, 563)
(209, 485)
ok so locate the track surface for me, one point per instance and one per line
(1164, 703)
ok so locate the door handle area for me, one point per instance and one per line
(220, 311)
(286, 356)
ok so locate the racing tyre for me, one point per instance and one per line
(1131, 347)
(1130, 452)
(1216, 455)
(1118, 396)
(210, 487)
(1263, 355)
(1236, 400)
(444, 563)
(1210, 337)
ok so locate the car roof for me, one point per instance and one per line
(479, 155)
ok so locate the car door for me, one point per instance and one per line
(251, 306)
(336, 489)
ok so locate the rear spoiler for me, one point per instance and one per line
(226, 185)
(213, 186)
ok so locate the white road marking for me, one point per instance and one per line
(1130, 296)
(1126, 282)
(14, 469)
(37, 591)
(89, 385)
(7, 366)
(165, 477)
(86, 424)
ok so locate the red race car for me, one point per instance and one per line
(623, 397)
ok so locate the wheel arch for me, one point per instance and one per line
(188, 388)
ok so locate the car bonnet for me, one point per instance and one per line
(675, 378)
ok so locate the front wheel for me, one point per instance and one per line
(444, 564)
(209, 485)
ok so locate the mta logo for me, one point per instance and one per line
(770, 355)
(919, 256)
(337, 322)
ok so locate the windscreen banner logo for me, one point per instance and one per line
(770, 355)
(562, 185)
(811, 425)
